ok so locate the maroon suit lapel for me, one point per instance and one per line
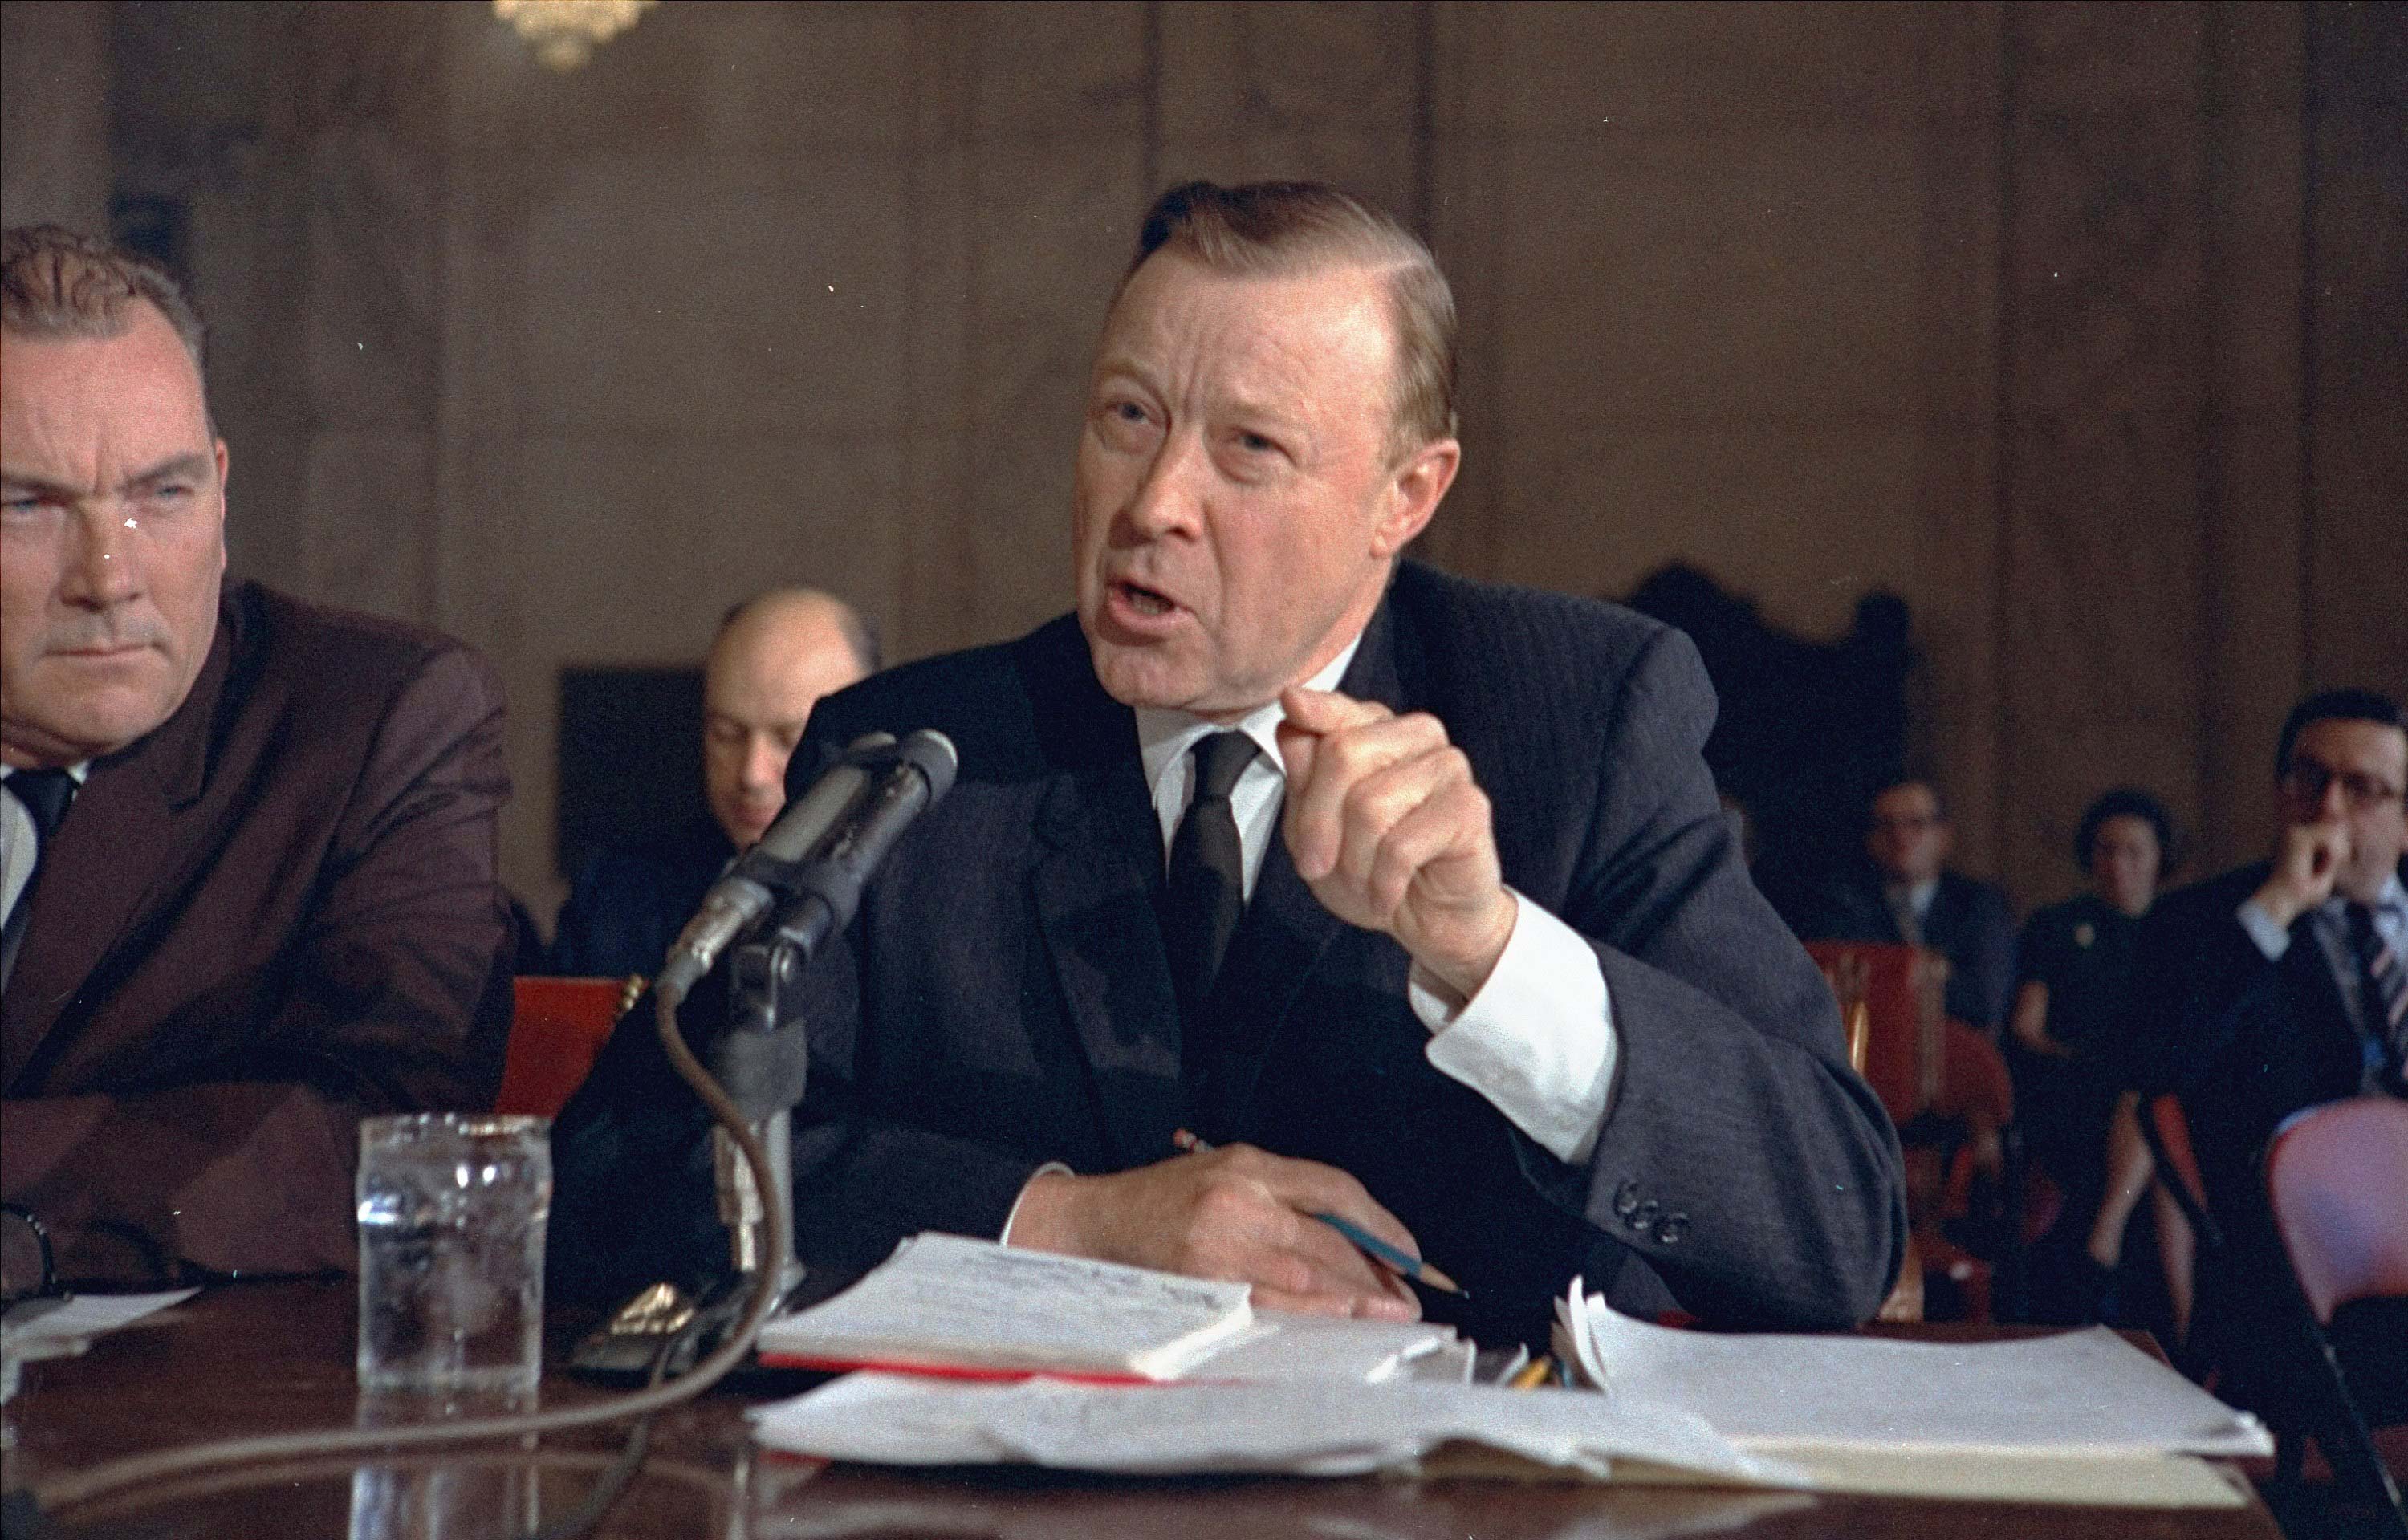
(115, 847)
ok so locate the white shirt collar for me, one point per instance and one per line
(79, 770)
(1917, 894)
(2391, 897)
(1164, 736)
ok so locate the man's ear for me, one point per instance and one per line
(1414, 492)
(218, 450)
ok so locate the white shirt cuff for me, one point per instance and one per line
(1005, 1239)
(2272, 939)
(1538, 1040)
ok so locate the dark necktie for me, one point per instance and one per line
(46, 794)
(1204, 894)
(2382, 985)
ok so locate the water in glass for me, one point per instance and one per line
(451, 1212)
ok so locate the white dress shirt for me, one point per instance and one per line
(1536, 1041)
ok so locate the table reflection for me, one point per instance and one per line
(788, 1499)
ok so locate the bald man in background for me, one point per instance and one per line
(776, 654)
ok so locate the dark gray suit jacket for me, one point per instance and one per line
(1003, 997)
(2246, 1043)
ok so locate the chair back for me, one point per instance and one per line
(2165, 1127)
(2337, 1180)
(1896, 991)
(557, 1030)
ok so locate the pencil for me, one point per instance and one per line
(1532, 1374)
(1395, 1259)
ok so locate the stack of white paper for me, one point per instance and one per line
(2076, 1416)
(2084, 1391)
(1301, 1428)
(948, 1301)
(1286, 1347)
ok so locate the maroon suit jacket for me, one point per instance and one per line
(273, 915)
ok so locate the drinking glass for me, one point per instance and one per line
(452, 1210)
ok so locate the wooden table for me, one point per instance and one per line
(276, 1357)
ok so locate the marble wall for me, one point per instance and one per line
(2074, 325)
(54, 114)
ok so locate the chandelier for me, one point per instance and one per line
(565, 33)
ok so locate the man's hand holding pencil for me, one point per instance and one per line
(1235, 1212)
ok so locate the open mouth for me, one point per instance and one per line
(1143, 601)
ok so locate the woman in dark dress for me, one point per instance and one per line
(2071, 1008)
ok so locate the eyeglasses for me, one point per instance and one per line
(1906, 823)
(2308, 779)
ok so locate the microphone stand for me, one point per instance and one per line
(737, 1060)
(758, 1060)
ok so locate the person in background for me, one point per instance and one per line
(2073, 1011)
(775, 655)
(247, 843)
(1909, 894)
(2277, 987)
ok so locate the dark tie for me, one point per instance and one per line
(1204, 894)
(2384, 987)
(46, 794)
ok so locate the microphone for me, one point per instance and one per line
(736, 902)
(917, 773)
(760, 1060)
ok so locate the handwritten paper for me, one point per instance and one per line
(950, 1302)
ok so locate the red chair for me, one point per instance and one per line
(557, 1031)
(1899, 990)
(1946, 1087)
(2337, 1186)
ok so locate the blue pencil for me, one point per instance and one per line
(1404, 1263)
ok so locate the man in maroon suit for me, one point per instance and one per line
(245, 844)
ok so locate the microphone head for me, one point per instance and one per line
(934, 755)
(868, 749)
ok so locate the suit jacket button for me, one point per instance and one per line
(1625, 1198)
(1670, 1229)
(1642, 1217)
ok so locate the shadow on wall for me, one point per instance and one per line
(1808, 730)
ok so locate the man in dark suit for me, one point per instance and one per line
(1909, 894)
(2277, 987)
(1410, 895)
(775, 655)
(249, 843)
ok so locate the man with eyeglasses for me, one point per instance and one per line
(1907, 893)
(2280, 986)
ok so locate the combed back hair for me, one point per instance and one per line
(56, 284)
(860, 631)
(1281, 229)
(2336, 706)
